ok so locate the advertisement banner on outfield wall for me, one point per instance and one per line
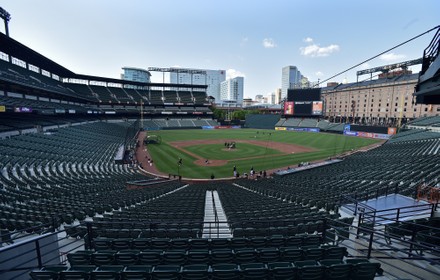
(208, 127)
(280, 128)
(367, 135)
(303, 129)
(227, 127)
(350, 133)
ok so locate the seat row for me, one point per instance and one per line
(199, 256)
(103, 243)
(351, 269)
(149, 233)
(310, 227)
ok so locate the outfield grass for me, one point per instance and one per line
(165, 156)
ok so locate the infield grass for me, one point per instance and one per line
(166, 156)
(242, 150)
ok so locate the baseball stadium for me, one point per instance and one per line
(105, 178)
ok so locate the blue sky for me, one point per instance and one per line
(251, 38)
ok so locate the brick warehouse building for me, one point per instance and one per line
(387, 100)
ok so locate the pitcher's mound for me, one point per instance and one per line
(229, 150)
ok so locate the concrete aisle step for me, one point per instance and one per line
(215, 228)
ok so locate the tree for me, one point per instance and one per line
(241, 114)
(218, 114)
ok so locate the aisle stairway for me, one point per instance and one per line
(215, 221)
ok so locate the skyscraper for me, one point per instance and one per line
(291, 78)
(212, 79)
(277, 96)
(232, 90)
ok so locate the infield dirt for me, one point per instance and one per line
(284, 148)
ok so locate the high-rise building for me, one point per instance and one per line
(290, 78)
(211, 78)
(259, 98)
(231, 90)
(136, 74)
(277, 96)
(270, 98)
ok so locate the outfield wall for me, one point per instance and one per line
(259, 121)
(299, 129)
(222, 127)
(345, 132)
(368, 135)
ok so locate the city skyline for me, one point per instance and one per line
(253, 40)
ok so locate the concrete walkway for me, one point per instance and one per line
(215, 221)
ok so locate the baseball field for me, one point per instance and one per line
(203, 153)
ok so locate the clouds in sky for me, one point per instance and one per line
(314, 50)
(364, 66)
(319, 74)
(232, 73)
(244, 41)
(389, 57)
(269, 43)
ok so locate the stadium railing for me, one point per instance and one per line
(57, 249)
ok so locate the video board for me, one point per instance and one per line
(303, 102)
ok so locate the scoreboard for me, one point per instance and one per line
(303, 102)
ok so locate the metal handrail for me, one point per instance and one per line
(431, 52)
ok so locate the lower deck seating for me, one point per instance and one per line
(360, 269)
(142, 243)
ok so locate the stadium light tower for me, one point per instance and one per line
(6, 17)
